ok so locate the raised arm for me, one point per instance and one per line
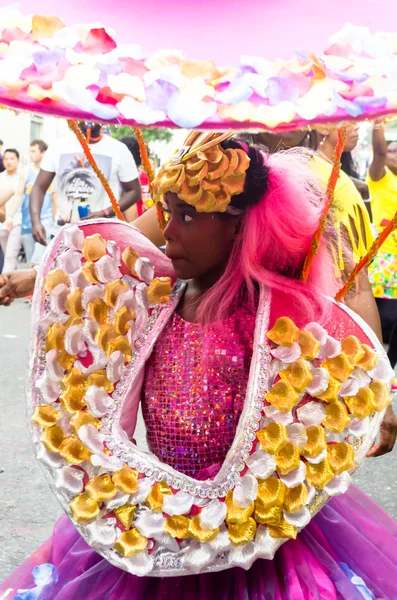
(377, 168)
(43, 182)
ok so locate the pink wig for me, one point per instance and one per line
(272, 243)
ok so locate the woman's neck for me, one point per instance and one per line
(195, 289)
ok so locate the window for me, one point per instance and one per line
(36, 127)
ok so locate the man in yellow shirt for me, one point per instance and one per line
(382, 183)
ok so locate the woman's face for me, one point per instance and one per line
(197, 243)
(391, 157)
(352, 136)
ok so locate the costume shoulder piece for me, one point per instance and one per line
(315, 399)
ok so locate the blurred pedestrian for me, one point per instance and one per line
(10, 230)
(139, 207)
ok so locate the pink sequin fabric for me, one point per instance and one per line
(195, 386)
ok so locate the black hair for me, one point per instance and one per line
(257, 175)
(1, 142)
(13, 152)
(95, 128)
(41, 145)
(131, 142)
(348, 166)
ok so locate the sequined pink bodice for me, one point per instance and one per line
(195, 385)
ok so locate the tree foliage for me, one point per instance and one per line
(150, 135)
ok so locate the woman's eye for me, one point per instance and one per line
(186, 218)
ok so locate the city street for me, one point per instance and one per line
(28, 508)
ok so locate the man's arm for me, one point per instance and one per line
(6, 192)
(131, 195)
(43, 182)
(377, 168)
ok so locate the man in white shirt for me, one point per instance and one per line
(77, 183)
(10, 230)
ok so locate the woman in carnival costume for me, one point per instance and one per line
(260, 396)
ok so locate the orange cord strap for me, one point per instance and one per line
(327, 206)
(391, 226)
(80, 136)
(147, 167)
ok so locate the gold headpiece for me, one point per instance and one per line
(202, 174)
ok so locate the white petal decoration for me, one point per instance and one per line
(150, 523)
(144, 486)
(144, 269)
(330, 348)
(338, 485)
(361, 376)
(287, 354)
(58, 298)
(383, 371)
(334, 437)
(111, 463)
(73, 237)
(91, 438)
(359, 427)
(54, 370)
(298, 519)
(274, 414)
(166, 541)
(48, 391)
(201, 501)
(349, 388)
(213, 515)
(141, 296)
(297, 434)
(115, 366)
(319, 332)
(317, 459)
(114, 251)
(77, 280)
(141, 564)
(70, 261)
(118, 500)
(295, 477)
(275, 367)
(261, 464)
(242, 556)
(69, 481)
(90, 328)
(320, 381)
(92, 292)
(221, 542)
(245, 491)
(98, 401)
(74, 340)
(266, 545)
(131, 332)
(127, 299)
(178, 504)
(142, 317)
(64, 422)
(311, 494)
(50, 459)
(101, 533)
(50, 319)
(198, 556)
(311, 413)
(107, 269)
(140, 112)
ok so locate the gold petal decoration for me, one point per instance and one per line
(84, 508)
(113, 290)
(129, 258)
(283, 530)
(340, 457)
(273, 437)
(271, 492)
(295, 498)
(126, 480)
(55, 337)
(156, 496)
(45, 27)
(316, 441)
(284, 332)
(98, 310)
(125, 514)
(241, 533)
(382, 394)
(94, 247)
(319, 475)
(100, 379)
(130, 542)
(82, 417)
(282, 396)
(309, 345)
(104, 333)
(52, 438)
(121, 319)
(200, 534)
(73, 450)
(339, 367)
(159, 290)
(235, 514)
(101, 488)
(54, 278)
(332, 391)
(89, 272)
(298, 374)
(65, 360)
(337, 417)
(362, 404)
(288, 458)
(120, 343)
(267, 516)
(369, 360)
(45, 415)
(351, 346)
(73, 385)
(177, 526)
(73, 303)
(72, 321)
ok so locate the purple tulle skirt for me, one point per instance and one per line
(351, 538)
